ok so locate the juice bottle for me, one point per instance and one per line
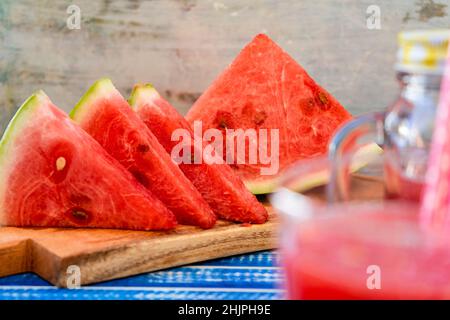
(405, 129)
(409, 122)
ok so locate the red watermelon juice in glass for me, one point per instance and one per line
(358, 250)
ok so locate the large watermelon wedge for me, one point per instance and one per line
(219, 186)
(108, 118)
(264, 88)
(53, 174)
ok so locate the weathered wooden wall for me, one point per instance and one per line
(181, 45)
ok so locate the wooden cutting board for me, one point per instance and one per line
(103, 254)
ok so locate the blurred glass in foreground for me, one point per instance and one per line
(371, 249)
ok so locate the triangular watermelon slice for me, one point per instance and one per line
(219, 186)
(108, 118)
(53, 174)
(264, 88)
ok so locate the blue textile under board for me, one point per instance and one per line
(251, 276)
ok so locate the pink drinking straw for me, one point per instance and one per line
(435, 207)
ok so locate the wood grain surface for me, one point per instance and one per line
(103, 254)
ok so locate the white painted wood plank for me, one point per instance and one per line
(182, 45)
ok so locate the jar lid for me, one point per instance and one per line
(422, 51)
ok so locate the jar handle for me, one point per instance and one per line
(343, 147)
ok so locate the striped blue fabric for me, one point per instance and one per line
(252, 276)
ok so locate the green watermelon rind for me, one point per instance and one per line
(140, 90)
(365, 155)
(14, 129)
(100, 88)
(14, 125)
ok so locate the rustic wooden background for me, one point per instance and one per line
(182, 45)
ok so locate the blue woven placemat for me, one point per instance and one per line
(251, 276)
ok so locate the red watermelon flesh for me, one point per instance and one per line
(265, 88)
(219, 186)
(109, 119)
(55, 175)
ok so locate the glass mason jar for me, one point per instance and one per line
(405, 129)
(408, 130)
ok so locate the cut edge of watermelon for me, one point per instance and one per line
(14, 128)
(100, 88)
(366, 154)
(144, 92)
